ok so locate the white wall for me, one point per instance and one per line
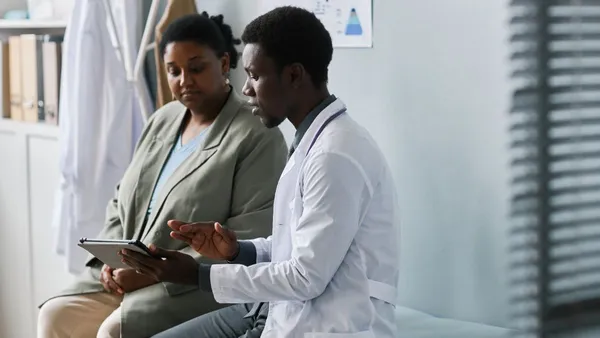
(434, 92)
(8, 5)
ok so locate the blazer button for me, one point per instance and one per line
(158, 234)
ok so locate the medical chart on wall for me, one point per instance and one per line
(350, 22)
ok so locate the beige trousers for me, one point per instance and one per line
(95, 315)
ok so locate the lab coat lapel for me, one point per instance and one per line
(288, 189)
(199, 157)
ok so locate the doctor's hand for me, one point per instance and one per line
(164, 265)
(207, 238)
(129, 280)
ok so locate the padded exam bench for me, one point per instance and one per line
(415, 324)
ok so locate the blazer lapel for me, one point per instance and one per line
(199, 157)
(157, 155)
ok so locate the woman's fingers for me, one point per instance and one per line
(109, 284)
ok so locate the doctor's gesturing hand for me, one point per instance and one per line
(209, 239)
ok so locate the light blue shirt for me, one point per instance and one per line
(179, 153)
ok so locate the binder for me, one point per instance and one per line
(32, 91)
(51, 51)
(4, 81)
(14, 62)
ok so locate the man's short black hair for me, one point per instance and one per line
(291, 34)
(204, 30)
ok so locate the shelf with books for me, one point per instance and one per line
(30, 68)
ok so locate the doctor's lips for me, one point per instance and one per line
(255, 109)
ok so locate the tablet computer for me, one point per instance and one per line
(107, 250)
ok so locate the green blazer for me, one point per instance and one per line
(232, 179)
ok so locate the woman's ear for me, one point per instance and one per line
(225, 66)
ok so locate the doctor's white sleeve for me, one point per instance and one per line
(335, 188)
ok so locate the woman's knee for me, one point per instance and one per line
(54, 317)
(111, 326)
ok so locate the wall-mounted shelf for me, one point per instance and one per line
(38, 129)
(31, 24)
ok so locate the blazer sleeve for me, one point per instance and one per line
(254, 187)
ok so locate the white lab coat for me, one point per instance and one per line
(330, 268)
(96, 123)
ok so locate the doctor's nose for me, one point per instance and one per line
(248, 90)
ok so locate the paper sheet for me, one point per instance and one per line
(349, 22)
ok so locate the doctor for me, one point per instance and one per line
(330, 268)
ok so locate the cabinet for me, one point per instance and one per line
(30, 270)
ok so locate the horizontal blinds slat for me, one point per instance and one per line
(563, 258)
(556, 225)
(576, 240)
(576, 105)
(532, 159)
(556, 140)
(558, 89)
(558, 174)
(562, 54)
(578, 289)
(565, 123)
(555, 2)
(556, 37)
(530, 19)
(558, 192)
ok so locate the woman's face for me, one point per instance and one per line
(196, 75)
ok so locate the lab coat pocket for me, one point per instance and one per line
(362, 334)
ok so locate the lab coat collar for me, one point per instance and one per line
(331, 109)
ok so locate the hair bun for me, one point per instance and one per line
(228, 35)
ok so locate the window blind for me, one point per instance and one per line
(555, 164)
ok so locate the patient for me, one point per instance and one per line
(201, 157)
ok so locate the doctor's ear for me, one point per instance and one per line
(295, 74)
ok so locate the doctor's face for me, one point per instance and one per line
(264, 86)
(196, 75)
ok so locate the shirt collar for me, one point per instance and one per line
(308, 120)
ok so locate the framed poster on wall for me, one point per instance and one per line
(350, 22)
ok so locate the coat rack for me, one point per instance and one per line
(134, 75)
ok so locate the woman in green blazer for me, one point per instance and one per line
(201, 157)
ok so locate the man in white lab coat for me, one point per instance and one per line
(330, 268)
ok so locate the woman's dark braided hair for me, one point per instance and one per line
(205, 30)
